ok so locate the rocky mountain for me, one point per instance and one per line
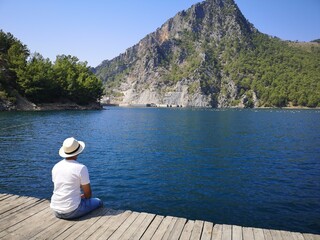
(211, 56)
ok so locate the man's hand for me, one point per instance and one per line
(86, 191)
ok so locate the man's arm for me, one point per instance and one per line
(86, 191)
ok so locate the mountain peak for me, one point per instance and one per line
(192, 60)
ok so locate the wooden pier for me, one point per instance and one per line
(31, 218)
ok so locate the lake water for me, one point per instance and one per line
(258, 168)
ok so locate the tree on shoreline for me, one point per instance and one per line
(40, 80)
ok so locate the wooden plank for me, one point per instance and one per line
(68, 231)
(111, 218)
(162, 228)
(226, 232)
(124, 226)
(258, 234)
(90, 222)
(236, 232)
(308, 236)
(9, 205)
(33, 225)
(197, 230)
(28, 225)
(4, 196)
(81, 223)
(105, 216)
(286, 235)
(12, 200)
(187, 230)
(31, 218)
(18, 229)
(7, 197)
(267, 234)
(27, 204)
(247, 233)
(31, 200)
(217, 232)
(170, 227)
(297, 236)
(276, 235)
(77, 224)
(207, 231)
(19, 202)
(134, 227)
(316, 237)
(177, 229)
(32, 203)
(115, 225)
(152, 228)
(17, 218)
(143, 227)
(56, 229)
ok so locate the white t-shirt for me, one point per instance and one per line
(67, 176)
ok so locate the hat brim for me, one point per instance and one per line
(65, 155)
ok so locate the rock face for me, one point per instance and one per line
(182, 62)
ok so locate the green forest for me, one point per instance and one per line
(282, 73)
(40, 80)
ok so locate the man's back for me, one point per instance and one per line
(68, 176)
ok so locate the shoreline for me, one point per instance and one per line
(67, 106)
(50, 107)
(181, 106)
(23, 104)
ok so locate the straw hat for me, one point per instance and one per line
(71, 147)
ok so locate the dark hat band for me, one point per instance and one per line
(74, 150)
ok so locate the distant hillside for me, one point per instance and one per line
(210, 55)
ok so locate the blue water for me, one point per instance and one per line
(258, 168)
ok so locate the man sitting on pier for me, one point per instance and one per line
(69, 177)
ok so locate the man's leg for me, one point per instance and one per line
(86, 206)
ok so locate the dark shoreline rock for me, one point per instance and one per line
(4, 106)
(23, 104)
(68, 106)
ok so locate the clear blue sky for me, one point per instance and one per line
(96, 30)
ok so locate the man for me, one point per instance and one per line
(69, 178)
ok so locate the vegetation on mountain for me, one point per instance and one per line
(219, 54)
(40, 80)
(281, 73)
